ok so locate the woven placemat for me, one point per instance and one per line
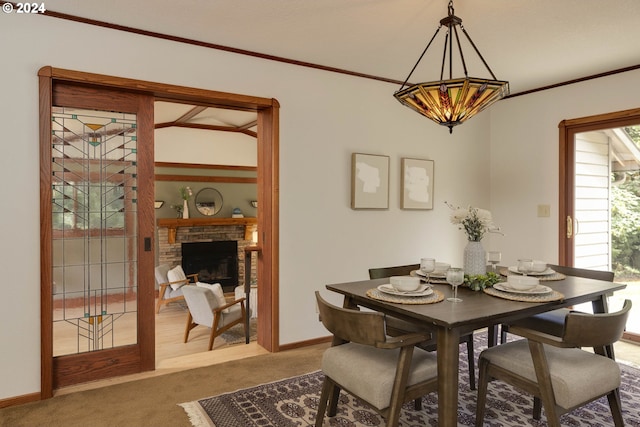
(551, 296)
(542, 278)
(434, 297)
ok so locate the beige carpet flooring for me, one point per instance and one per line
(154, 401)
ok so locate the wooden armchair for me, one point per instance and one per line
(171, 290)
(555, 369)
(397, 326)
(552, 322)
(206, 309)
(383, 371)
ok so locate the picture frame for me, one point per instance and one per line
(369, 181)
(416, 184)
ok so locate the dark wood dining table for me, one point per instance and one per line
(476, 311)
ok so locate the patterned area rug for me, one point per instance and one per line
(236, 335)
(294, 402)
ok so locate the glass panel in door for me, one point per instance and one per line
(94, 230)
(607, 210)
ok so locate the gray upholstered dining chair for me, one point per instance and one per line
(552, 322)
(207, 309)
(397, 326)
(383, 371)
(555, 369)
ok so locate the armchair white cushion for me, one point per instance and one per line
(166, 293)
(216, 288)
(176, 277)
(205, 310)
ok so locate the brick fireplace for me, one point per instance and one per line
(172, 233)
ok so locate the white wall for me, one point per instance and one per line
(525, 156)
(324, 118)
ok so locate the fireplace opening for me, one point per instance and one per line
(213, 262)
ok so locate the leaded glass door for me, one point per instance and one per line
(101, 176)
(94, 230)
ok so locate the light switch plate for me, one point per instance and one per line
(544, 211)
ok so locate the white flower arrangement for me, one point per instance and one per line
(474, 221)
(186, 193)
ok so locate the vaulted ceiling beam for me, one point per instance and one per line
(190, 114)
(249, 125)
(206, 127)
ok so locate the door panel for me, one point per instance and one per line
(100, 178)
(591, 153)
(94, 212)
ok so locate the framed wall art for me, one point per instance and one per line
(416, 184)
(369, 181)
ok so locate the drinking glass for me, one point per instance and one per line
(494, 257)
(524, 266)
(455, 277)
(427, 266)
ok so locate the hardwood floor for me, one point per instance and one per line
(173, 355)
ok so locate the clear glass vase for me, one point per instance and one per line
(475, 259)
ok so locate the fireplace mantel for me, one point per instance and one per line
(174, 223)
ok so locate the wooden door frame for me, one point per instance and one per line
(267, 110)
(568, 129)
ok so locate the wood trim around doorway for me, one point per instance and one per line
(567, 131)
(267, 110)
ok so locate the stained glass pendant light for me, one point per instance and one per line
(453, 101)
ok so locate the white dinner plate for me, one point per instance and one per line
(547, 272)
(422, 291)
(540, 289)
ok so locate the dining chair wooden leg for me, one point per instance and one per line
(417, 404)
(393, 417)
(537, 408)
(322, 404)
(504, 329)
(492, 335)
(334, 395)
(616, 407)
(481, 400)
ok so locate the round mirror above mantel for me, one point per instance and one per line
(208, 201)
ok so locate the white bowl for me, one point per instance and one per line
(441, 268)
(538, 266)
(404, 283)
(522, 283)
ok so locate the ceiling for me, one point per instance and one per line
(169, 114)
(530, 43)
